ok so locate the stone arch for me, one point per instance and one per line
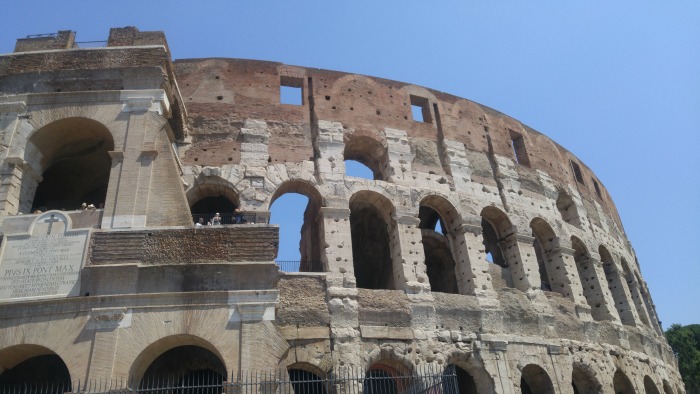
(583, 380)
(591, 282)
(440, 251)
(307, 378)
(466, 116)
(543, 244)
(567, 208)
(496, 228)
(210, 195)
(387, 376)
(483, 381)
(34, 365)
(667, 387)
(195, 353)
(622, 384)
(374, 246)
(649, 386)
(370, 152)
(67, 163)
(535, 380)
(362, 97)
(312, 236)
(633, 286)
(616, 286)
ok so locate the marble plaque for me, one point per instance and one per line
(46, 262)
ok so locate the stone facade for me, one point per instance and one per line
(528, 283)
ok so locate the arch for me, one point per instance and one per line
(440, 253)
(372, 229)
(69, 164)
(33, 365)
(307, 379)
(195, 351)
(496, 227)
(387, 376)
(213, 195)
(583, 380)
(567, 208)
(649, 385)
(311, 230)
(543, 245)
(590, 282)
(667, 387)
(535, 380)
(633, 286)
(370, 152)
(466, 384)
(616, 286)
(622, 384)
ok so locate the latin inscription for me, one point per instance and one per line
(41, 265)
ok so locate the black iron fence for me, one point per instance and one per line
(425, 380)
(299, 266)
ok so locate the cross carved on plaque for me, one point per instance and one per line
(51, 221)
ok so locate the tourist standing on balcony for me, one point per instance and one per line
(216, 220)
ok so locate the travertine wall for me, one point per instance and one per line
(564, 301)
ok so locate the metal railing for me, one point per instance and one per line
(45, 35)
(211, 219)
(90, 44)
(427, 379)
(299, 266)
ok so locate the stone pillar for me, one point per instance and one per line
(621, 294)
(595, 289)
(143, 190)
(408, 256)
(494, 356)
(330, 165)
(568, 278)
(521, 259)
(400, 157)
(471, 267)
(458, 164)
(12, 168)
(637, 300)
(106, 323)
(337, 260)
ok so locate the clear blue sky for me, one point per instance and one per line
(617, 83)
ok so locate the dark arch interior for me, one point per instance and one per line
(207, 207)
(542, 266)
(429, 219)
(582, 382)
(491, 243)
(463, 379)
(305, 382)
(622, 384)
(47, 370)
(185, 366)
(379, 381)
(650, 386)
(440, 264)
(75, 162)
(370, 247)
(368, 152)
(534, 380)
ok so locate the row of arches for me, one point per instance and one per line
(615, 292)
(193, 366)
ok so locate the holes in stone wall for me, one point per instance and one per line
(578, 175)
(597, 189)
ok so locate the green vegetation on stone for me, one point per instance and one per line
(685, 341)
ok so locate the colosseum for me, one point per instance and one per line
(135, 196)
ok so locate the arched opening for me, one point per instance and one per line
(622, 384)
(72, 157)
(192, 368)
(567, 209)
(358, 170)
(648, 304)
(534, 380)
(465, 383)
(439, 261)
(371, 225)
(650, 386)
(589, 280)
(543, 245)
(495, 229)
(387, 377)
(368, 152)
(295, 207)
(616, 286)
(583, 381)
(306, 379)
(633, 286)
(215, 204)
(667, 387)
(27, 368)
